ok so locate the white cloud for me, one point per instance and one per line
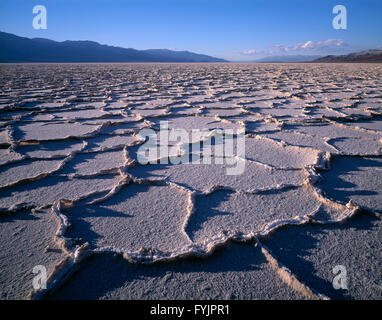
(311, 46)
(330, 46)
(307, 44)
(252, 52)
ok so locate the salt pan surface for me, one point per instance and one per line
(74, 198)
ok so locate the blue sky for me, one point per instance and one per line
(235, 30)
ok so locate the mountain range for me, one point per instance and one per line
(20, 49)
(362, 56)
(288, 58)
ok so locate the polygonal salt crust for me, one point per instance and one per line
(374, 125)
(311, 252)
(52, 131)
(331, 131)
(357, 146)
(202, 177)
(94, 163)
(4, 137)
(7, 156)
(356, 179)
(261, 126)
(280, 112)
(302, 140)
(149, 112)
(136, 216)
(12, 173)
(106, 142)
(292, 113)
(248, 213)
(50, 149)
(53, 188)
(220, 105)
(24, 239)
(189, 123)
(124, 128)
(80, 114)
(184, 110)
(270, 153)
(222, 112)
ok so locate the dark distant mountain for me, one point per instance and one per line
(19, 49)
(289, 58)
(363, 56)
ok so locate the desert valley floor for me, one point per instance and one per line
(75, 200)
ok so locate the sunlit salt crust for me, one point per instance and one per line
(74, 196)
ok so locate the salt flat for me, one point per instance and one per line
(75, 199)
